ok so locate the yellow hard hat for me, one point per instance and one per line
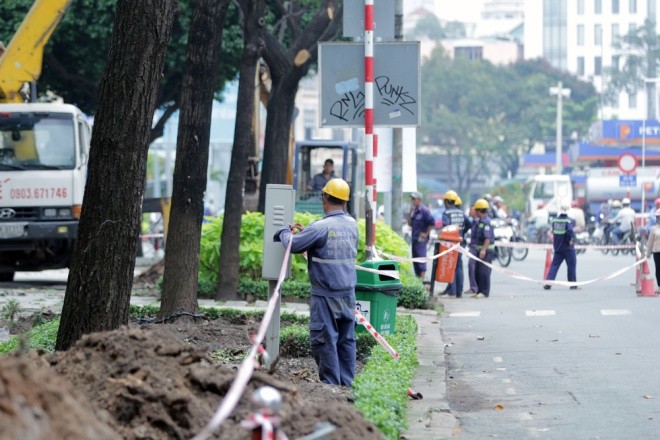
(458, 201)
(481, 204)
(451, 195)
(337, 188)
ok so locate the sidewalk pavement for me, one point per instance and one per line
(430, 417)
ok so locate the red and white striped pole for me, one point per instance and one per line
(369, 121)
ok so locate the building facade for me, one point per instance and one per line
(577, 36)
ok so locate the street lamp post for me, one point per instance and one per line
(560, 93)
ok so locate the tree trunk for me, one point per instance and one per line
(244, 139)
(192, 157)
(287, 67)
(279, 118)
(99, 287)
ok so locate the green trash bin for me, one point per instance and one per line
(376, 296)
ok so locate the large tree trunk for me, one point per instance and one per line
(99, 287)
(287, 67)
(192, 157)
(276, 141)
(244, 139)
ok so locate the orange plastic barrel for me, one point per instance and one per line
(446, 265)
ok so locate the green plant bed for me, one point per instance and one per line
(40, 337)
(381, 388)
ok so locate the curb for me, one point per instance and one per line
(430, 418)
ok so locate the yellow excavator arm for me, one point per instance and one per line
(22, 60)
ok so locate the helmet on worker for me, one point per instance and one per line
(451, 196)
(625, 201)
(458, 201)
(337, 188)
(481, 204)
(616, 204)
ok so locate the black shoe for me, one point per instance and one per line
(547, 287)
(575, 288)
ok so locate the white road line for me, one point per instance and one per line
(506, 380)
(525, 416)
(464, 314)
(510, 391)
(540, 313)
(615, 312)
(498, 359)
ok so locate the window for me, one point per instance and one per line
(632, 100)
(598, 65)
(598, 34)
(580, 7)
(580, 35)
(580, 66)
(615, 6)
(632, 6)
(632, 27)
(598, 6)
(615, 31)
(616, 59)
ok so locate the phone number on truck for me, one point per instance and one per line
(38, 193)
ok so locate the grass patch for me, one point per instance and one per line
(41, 337)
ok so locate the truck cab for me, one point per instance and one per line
(348, 164)
(549, 190)
(44, 149)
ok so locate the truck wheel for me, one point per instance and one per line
(6, 276)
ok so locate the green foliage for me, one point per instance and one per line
(381, 388)
(10, 310)
(294, 341)
(41, 337)
(513, 193)
(413, 295)
(389, 242)
(233, 315)
(476, 114)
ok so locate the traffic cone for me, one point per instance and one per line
(647, 281)
(638, 270)
(548, 262)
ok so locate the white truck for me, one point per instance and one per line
(44, 148)
(548, 190)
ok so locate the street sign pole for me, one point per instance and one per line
(369, 125)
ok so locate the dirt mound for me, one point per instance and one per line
(146, 384)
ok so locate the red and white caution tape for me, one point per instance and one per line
(518, 276)
(247, 366)
(359, 317)
(525, 245)
(453, 247)
(388, 273)
(266, 422)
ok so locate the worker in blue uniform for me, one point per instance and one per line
(421, 220)
(331, 246)
(563, 245)
(453, 215)
(485, 248)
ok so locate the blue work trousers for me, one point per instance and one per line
(472, 272)
(332, 338)
(419, 250)
(456, 286)
(483, 274)
(567, 254)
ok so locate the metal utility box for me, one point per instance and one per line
(278, 212)
(376, 296)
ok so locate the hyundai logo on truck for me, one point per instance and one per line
(7, 213)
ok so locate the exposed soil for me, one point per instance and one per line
(161, 381)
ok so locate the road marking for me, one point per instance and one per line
(500, 369)
(498, 359)
(525, 416)
(506, 380)
(540, 312)
(615, 312)
(465, 314)
(510, 391)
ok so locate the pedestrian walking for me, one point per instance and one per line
(485, 247)
(331, 246)
(421, 221)
(453, 215)
(653, 246)
(563, 245)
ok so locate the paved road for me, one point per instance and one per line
(559, 364)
